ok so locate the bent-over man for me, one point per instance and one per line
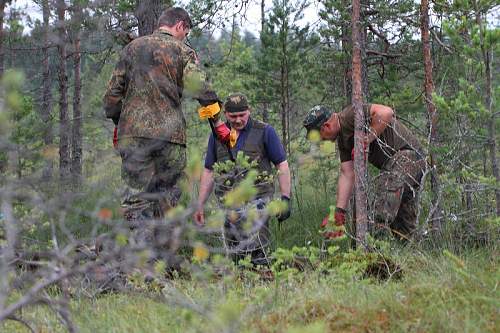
(390, 147)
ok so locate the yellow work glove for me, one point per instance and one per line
(209, 111)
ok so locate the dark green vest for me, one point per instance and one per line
(255, 150)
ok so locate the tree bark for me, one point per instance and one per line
(147, 13)
(284, 104)
(3, 157)
(432, 114)
(46, 105)
(363, 41)
(262, 16)
(486, 55)
(64, 126)
(265, 104)
(359, 133)
(285, 93)
(76, 137)
(2, 50)
(347, 62)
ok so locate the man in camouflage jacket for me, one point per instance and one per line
(143, 99)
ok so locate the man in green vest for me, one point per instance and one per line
(390, 147)
(261, 144)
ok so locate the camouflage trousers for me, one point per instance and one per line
(151, 169)
(396, 197)
(246, 232)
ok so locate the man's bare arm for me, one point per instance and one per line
(284, 178)
(345, 184)
(381, 117)
(206, 186)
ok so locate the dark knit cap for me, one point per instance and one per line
(236, 103)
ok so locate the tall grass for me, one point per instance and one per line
(441, 293)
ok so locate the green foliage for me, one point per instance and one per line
(236, 71)
(241, 178)
(242, 163)
(439, 292)
(11, 83)
(318, 286)
(242, 193)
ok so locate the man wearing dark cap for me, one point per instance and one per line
(390, 147)
(258, 141)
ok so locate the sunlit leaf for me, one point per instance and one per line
(200, 252)
(314, 136)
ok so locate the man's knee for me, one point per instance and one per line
(386, 205)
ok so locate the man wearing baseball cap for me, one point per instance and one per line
(260, 143)
(390, 147)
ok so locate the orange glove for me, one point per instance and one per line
(339, 217)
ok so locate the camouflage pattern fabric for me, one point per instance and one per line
(316, 117)
(246, 232)
(396, 197)
(145, 90)
(151, 169)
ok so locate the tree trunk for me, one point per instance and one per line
(347, 62)
(64, 126)
(359, 132)
(2, 51)
(46, 110)
(284, 106)
(265, 112)
(147, 13)
(431, 111)
(262, 16)
(486, 55)
(265, 104)
(363, 42)
(3, 156)
(76, 138)
(284, 84)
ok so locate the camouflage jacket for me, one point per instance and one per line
(145, 90)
